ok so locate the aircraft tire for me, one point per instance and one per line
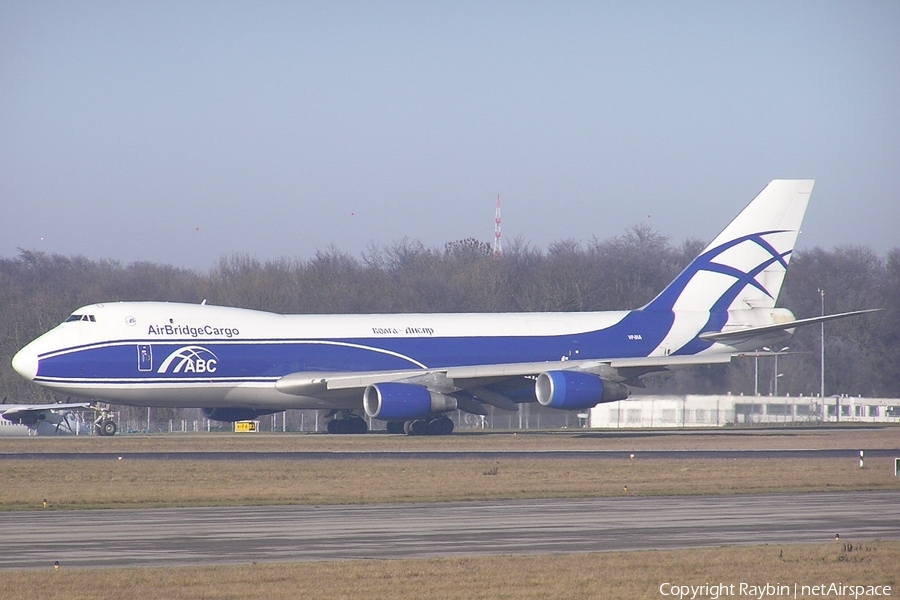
(440, 426)
(348, 425)
(417, 427)
(395, 427)
(108, 428)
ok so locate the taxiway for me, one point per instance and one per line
(230, 535)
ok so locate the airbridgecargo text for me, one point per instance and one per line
(193, 331)
(714, 591)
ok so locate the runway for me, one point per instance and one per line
(193, 536)
(455, 455)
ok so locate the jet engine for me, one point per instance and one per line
(235, 414)
(404, 401)
(573, 390)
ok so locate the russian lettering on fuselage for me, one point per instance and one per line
(407, 331)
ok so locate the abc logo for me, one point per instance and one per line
(190, 359)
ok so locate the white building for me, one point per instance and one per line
(718, 411)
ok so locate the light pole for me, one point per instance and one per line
(756, 371)
(774, 383)
(777, 374)
(822, 349)
(756, 374)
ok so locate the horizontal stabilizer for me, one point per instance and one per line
(739, 335)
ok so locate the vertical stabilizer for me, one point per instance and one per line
(744, 267)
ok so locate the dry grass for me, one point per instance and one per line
(141, 483)
(145, 483)
(626, 575)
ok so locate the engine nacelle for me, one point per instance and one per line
(404, 401)
(573, 390)
(230, 415)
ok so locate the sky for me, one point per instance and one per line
(183, 132)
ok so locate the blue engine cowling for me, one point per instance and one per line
(403, 401)
(573, 390)
(235, 414)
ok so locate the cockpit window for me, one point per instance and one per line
(77, 317)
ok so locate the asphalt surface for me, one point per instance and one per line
(191, 536)
(453, 455)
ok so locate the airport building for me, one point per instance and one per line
(726, 410)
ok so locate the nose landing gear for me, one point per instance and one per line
(103, 424)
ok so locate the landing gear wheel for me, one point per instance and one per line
(347, 425)
(440, 426)
(108, 428)
(395, 427)
(417, 427)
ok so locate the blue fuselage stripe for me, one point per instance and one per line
(220, 360)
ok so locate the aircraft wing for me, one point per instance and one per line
(615, 369)
(31, 414)
(479, 380)
(313, 382)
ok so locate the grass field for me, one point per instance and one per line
(135, 482)
(68, 484)
(613, 575)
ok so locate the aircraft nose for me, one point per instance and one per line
(25, 362)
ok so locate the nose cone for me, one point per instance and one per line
(25, 362)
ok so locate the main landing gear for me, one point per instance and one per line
(347, 421)
(432, 425)
(344, 421)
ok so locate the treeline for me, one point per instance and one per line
(38, 290)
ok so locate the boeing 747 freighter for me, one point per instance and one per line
(411, 369)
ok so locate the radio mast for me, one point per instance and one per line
(498, 244)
